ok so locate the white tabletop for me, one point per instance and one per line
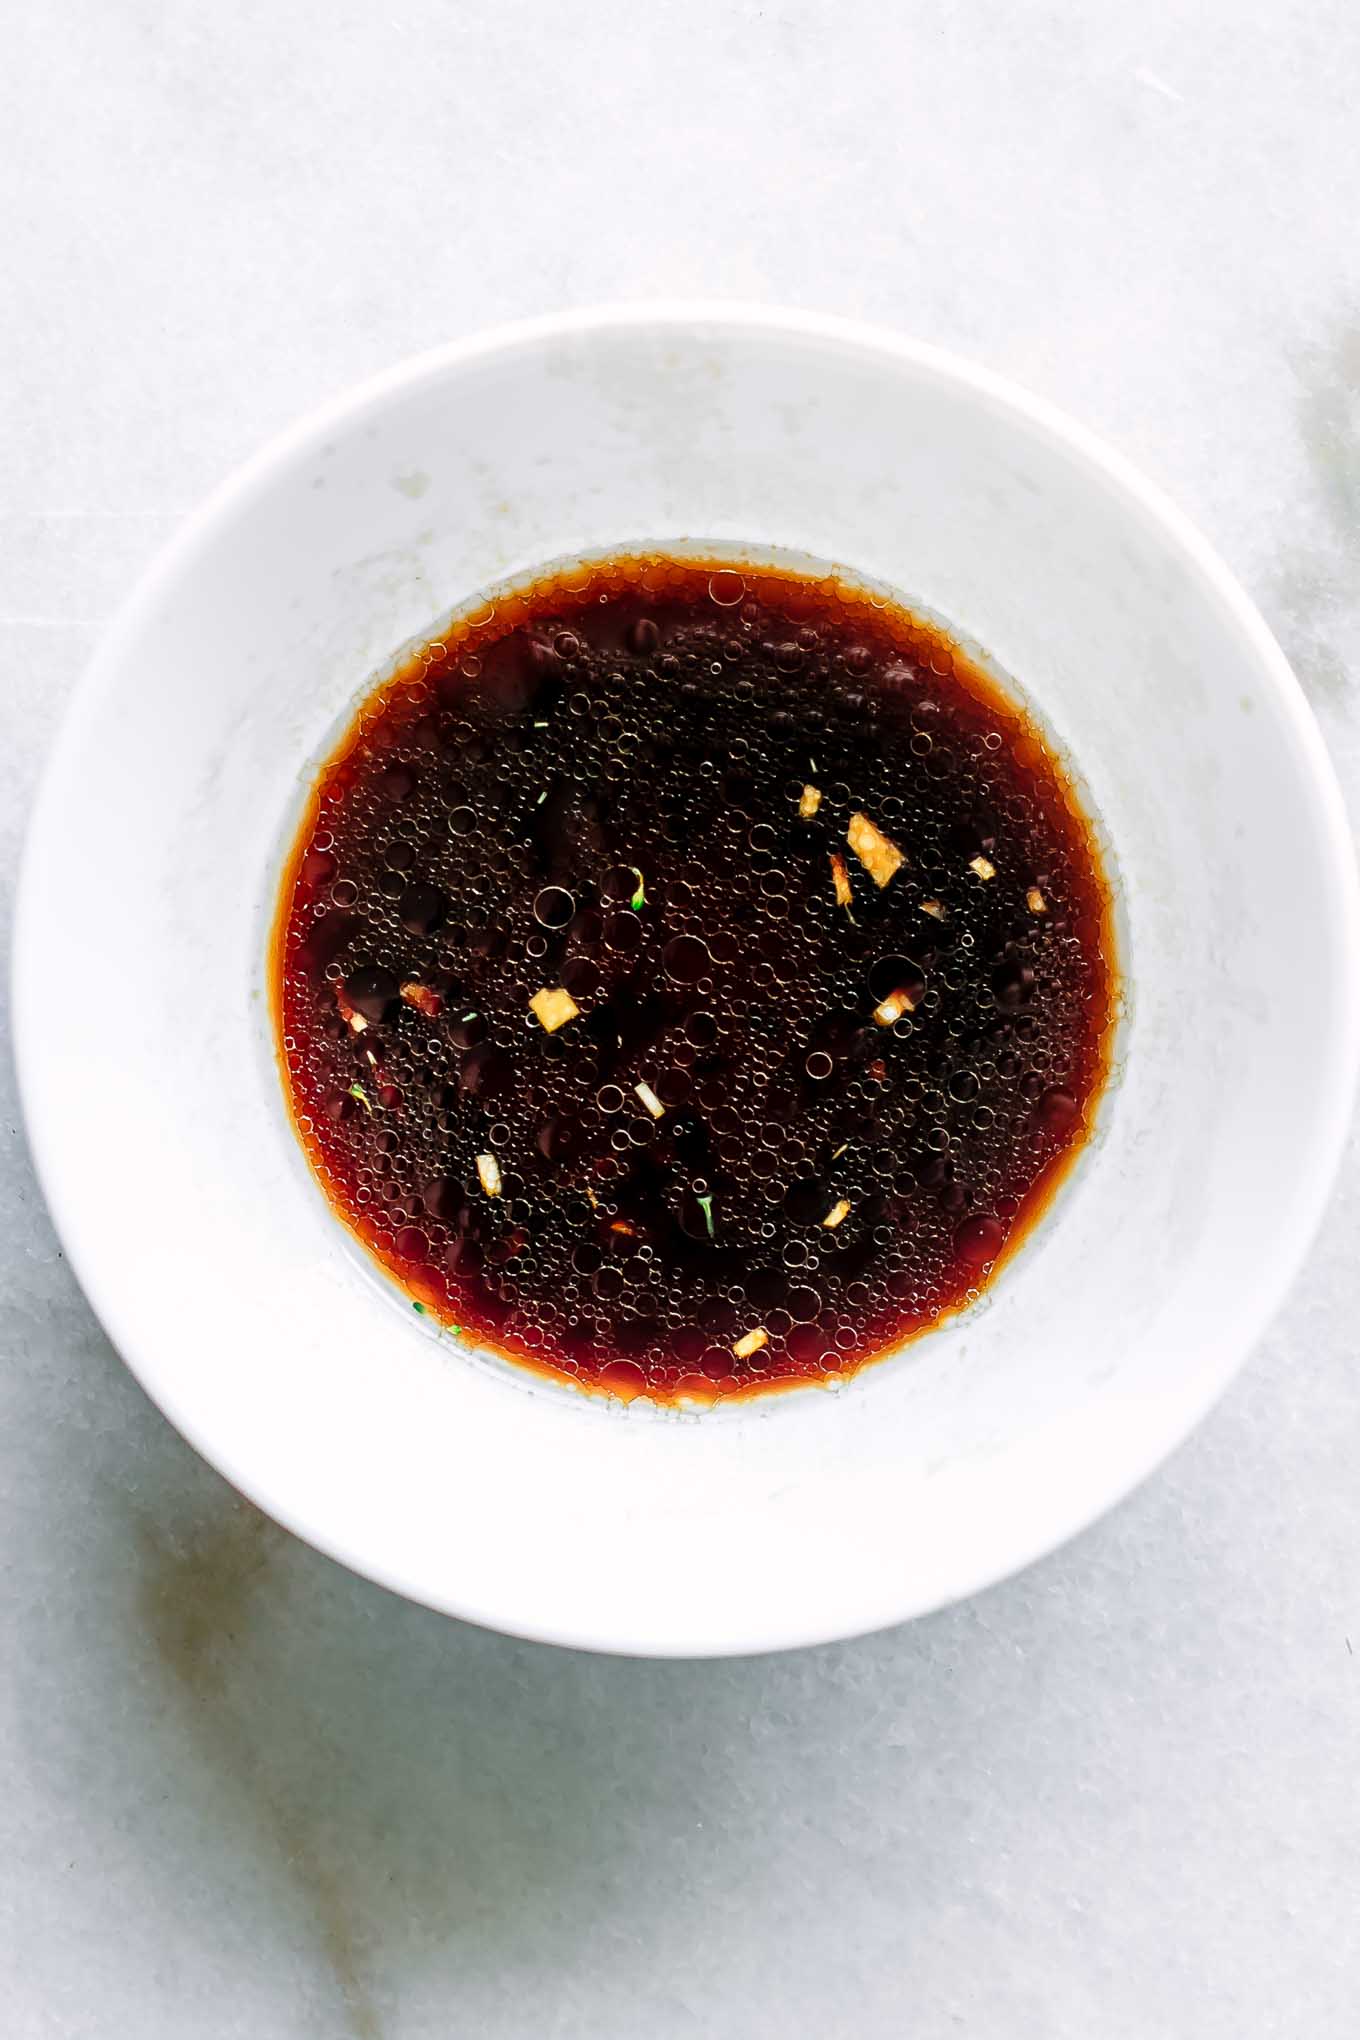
(251, 1796)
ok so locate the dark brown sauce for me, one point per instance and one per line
(693, 979)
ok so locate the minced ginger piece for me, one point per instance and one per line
(894, 1006)
(839, 1210)
(1035, 901)
(751, 1342)
(422, 998)
(983, 866)
(878, 854)
(352, 1019)
(489, 1174)
(840, 879)
(553, 1008)
(935, 909)
(809, 802)
(650, 1100)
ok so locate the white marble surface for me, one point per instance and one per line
(248, 1795)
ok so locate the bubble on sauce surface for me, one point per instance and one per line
(685, 958)
(651, 793)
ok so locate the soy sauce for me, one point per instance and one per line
(693, 978)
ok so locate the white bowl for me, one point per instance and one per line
(143, 1027)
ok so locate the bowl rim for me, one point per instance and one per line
(733, 317)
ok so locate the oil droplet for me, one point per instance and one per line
(726, 587)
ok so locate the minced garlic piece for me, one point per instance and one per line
(935, 909)
(751, 1342)
(553, 1009)
(875, 851)
(809, 802)
(983, 866)
(839, 1210)
(650, 1100)
(1035, 901)
(489, 1174)
(422, 998)
(894, 1006)
(840, 878)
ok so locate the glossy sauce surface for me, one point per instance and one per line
(693, 978)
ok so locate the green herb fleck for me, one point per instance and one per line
(541, 798)
(419, 1309)
(358, 1091)
(705, 1205)
(639, 899)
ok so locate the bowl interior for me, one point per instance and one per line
(155, 1107)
